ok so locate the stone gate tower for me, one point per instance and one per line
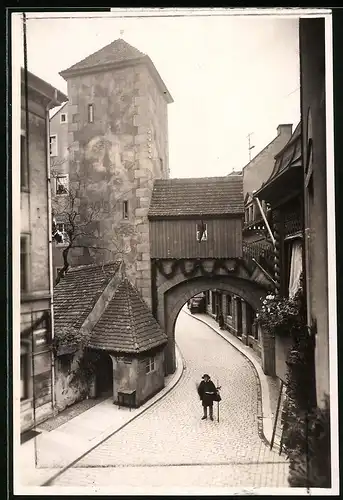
(118, 146)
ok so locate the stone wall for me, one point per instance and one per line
(67, 390)
(116, 159)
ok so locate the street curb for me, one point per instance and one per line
(180, 368)
(260, 417)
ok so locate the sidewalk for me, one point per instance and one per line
(269, 392)
(56, 450)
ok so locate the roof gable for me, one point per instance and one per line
(127, 325)
(197, 197)
(114, 52)
(77, 293)
(53, 112)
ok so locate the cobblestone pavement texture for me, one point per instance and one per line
(169, 445)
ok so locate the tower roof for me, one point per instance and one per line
(127, 325)
(117, 54)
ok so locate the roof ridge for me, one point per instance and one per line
(90, 266)
(227, 178)
(128, 285)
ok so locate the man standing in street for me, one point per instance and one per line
(207, 392)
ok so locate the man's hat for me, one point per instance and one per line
(206, 375)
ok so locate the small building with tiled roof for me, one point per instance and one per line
(98, 309)
(197, 217)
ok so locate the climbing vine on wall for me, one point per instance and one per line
(75, 340)
(306, 428)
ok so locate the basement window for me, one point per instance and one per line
(150, 365)
(201, 232)
(125, 209)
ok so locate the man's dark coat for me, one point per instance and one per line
(207, 391)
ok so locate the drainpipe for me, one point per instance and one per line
(51, 285)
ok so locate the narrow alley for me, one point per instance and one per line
(170, 446)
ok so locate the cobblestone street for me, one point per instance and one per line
(170, 446)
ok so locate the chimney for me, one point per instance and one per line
(285, 129)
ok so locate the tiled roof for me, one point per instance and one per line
(115, 52)
(127, 325)
(197, 196)
(76, 294)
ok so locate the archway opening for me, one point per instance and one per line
(104, 375)
(233, 298)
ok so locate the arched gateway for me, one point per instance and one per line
(196, 245)
(172, 299)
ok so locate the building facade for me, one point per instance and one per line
(260, 167)
(36, 375)
(313, 111)
(284, 195)
(258, 253)
(118, 144)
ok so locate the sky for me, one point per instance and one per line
(229, 76)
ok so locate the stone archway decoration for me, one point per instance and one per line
(190, 268)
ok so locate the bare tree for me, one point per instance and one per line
(78, 221)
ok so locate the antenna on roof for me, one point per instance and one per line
(121, 33)
(250, 146)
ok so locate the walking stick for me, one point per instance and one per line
(218, 401)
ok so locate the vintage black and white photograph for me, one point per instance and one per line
(174, 252)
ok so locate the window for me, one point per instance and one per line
(62, 184)
(202, 232)
(229, 305)
(149, 365)
(125, 209)
(24, 264)
(63, 118)
(24, 372)
(61, 228)
(24, 172)
(53, 145)
(90, 113)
